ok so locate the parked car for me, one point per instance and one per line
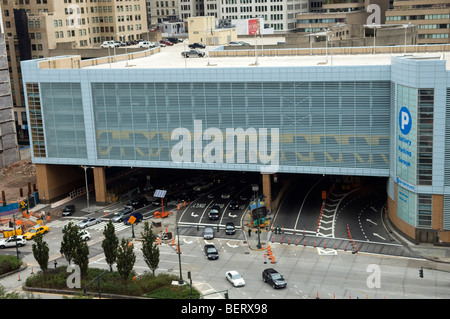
(137, 203)
(196, 45)
(37, 229)
(166, 42)
(109, 44)
(238, 43)
(193, 52)
(89, 222)
(274, 278)
(208, 233)
(136, 215)
(146, 44)
(122, 215)
(230, 229)
(214, 212)
(174, 40)
(85, 235)
(211, 252)
(68, 210)
(13, 241)
(235, 278)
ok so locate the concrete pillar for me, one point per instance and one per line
(267, 190)
(100, 185)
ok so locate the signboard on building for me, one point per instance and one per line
(253, 25)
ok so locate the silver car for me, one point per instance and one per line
(208, 233)
(89, 222)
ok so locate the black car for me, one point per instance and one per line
(230, 229)
(274, 278)
(234, 205)
(196, 45)
(214, 212)
(211, 252)
(137, 203)
(68, 210)
(174, 40)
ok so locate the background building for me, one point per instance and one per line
(431, 16)
(33, 28)
(9, 150)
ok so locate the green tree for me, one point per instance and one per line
(150, 249)
(70, 241)
(110, 244)
(125, 259)
(41, 252)
(81, 257)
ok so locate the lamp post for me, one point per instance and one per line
(86, 181)
(181, 282)
(406, 28)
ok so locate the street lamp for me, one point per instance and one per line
(406, 27)
(86, 181)
(181, 282)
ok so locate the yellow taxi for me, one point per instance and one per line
(37, 229)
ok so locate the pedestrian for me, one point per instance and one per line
(55, 263)
(249, 232)
(62, 252)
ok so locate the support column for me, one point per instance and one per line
(100, 185)
(267, 190)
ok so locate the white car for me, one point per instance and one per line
(108, 44)
(11, 241)
(89, 222)
(146, 44)
(85, 235)
(235, 278)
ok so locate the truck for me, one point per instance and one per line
(193, 52)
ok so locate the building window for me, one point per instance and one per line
(36, 122)
(425, 137)
(424, 210)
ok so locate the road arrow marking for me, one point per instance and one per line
(370, 221)
(232, 216)
(194, 214)
(373, 208)
(375, 234)
(322, 251)
(187, 242)
(232, 246)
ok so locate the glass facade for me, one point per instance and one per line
(425, 137)
(64, 120)
(36, 123)
(323, 124)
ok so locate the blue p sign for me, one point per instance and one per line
(405, 120)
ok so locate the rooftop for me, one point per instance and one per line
(170, 57)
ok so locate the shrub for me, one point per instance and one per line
(9, 263)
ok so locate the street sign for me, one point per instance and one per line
(131, 220)
(160, 193)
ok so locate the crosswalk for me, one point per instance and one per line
(100, 226)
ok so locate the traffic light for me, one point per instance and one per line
(421, 272)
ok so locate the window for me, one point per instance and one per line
(425, 137)
(424, 210)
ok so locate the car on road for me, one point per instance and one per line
(214, 212)
(234, 205)
(235, 278)
(122, 215)
(37, 229)
(193, 52)
(203, 187)
(85, 235)
(211, 252)
(90, 221)
(274, 278)
(196, 45)
(229, 191)
(136, 215)
(230, 229)
(13, 241)
(137, 203)
(208, 233)
(68, 210)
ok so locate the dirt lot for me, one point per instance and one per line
(15, 176)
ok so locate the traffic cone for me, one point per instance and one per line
(32, 270)
(19, 276)
(173, 241)
(314, 244)
(289, 240)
